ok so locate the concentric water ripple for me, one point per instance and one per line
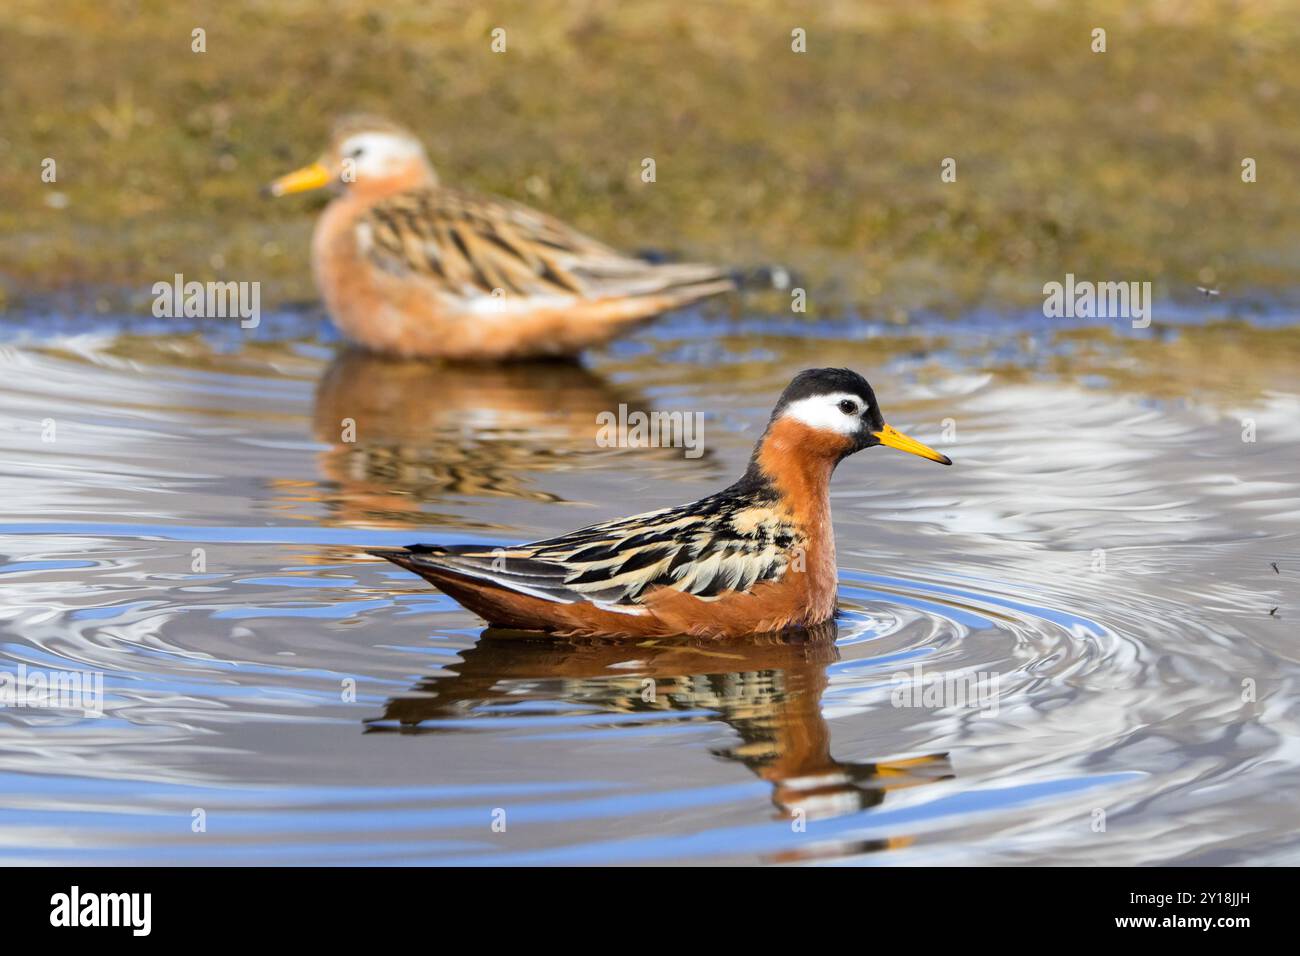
(194, 533)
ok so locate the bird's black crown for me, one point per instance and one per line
(825, 381)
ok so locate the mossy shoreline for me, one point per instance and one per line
(1123, 165)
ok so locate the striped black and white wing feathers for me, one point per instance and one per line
(726, 543)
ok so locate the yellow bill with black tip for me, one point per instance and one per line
(314, 176)
(895, 439)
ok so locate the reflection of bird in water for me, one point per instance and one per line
(403, 432)
(410, 267)
(767, 688)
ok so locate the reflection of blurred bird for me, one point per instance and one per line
(404, 432)
(767, 688)
(413, 268)
(757, 556)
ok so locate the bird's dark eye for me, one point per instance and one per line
(355, 153)
(848, 408)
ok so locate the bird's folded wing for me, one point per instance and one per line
(708, 553)
(474, 245)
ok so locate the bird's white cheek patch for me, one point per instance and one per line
(382, 154)
(823, 412)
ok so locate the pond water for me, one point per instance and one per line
(184, 519)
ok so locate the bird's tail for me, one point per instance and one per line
(625, 278)
(525, 595)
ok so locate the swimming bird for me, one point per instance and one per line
(758, 556)
(410, 267)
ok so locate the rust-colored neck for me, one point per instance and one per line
(367, 191)
(798, 461)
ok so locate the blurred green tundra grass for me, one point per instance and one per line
(1115, 165)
